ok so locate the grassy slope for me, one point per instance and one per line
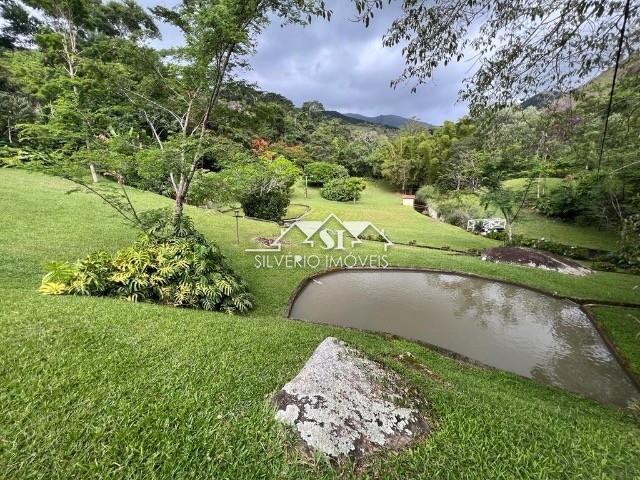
(401, 223)
(534, 225)
(92, 386)
(623, 327)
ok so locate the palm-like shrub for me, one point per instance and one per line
(181, 269)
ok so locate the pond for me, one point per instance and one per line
(508, 327)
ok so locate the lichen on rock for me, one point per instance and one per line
(343, 404)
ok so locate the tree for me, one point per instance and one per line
(262, 187)
(345, 189)
(319, 173)
(407, 160)
(217, 34)
(522, 48)
(509, 202)
(19, 25)
(66, 33)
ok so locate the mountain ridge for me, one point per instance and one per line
(391, 121)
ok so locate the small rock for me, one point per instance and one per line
(344, 404)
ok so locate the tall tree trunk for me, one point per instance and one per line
(179, 204)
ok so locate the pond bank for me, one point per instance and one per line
(513, 328)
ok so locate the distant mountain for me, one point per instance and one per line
(344, 118)
(392, 121)
(540, 100)
(388, 120)
(600, 84)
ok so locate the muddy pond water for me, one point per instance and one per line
(508, 327)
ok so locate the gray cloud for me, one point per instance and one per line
(344, 65)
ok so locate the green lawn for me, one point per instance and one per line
(94, 387)
(544, 185)
(622, 325)
(401, 224)
(533, 225)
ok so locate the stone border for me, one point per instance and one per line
(583, 305)
(307, 209)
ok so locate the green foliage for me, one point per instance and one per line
(521, 46)
(345, 189)
(459, 209)
(172, 264)
(629, 253)
(571, 251)
(319, 173)
(208, 189)
(266, 205)
(564, 202)
(252, 182)
(604, 266)
(509, 202)
(263, 187)
(427, 193)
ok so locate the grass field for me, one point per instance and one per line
(623, 327)
(401, 223)
(94, 387)
(534, 225)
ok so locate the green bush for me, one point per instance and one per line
(319, 173)
(262, 187)
(343, 189)
(171, 264)
(603, 266)
(458, 210)
(209, 188)
(427, 193)
(563, 202)
(271, 205)
(628, 255)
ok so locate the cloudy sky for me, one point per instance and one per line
(344, 65)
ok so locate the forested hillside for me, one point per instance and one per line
(82, 96)
(176, 241)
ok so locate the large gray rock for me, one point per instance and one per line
(344, 404)
(530, 257)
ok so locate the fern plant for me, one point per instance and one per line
(183, 270)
